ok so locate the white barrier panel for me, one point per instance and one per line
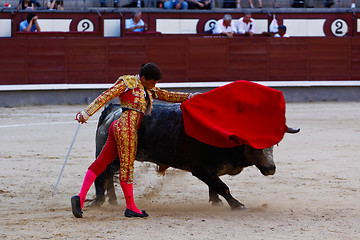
(112, 27)
(5, 27)
(54, 25)
(305, 27)
(261, 25)
(176, 26)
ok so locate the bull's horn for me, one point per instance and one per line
(293, 130)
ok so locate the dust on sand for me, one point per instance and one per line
(313, 195)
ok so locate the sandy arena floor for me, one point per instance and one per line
(313, 195)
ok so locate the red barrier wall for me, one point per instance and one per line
(50, 60)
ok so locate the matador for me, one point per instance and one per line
(136, 94)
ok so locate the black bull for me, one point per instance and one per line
(162, 140)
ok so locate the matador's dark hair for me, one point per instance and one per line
(150, 71)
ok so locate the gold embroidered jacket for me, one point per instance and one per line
(132, 96)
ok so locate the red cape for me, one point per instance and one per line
(238, 113)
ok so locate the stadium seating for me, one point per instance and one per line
(91, 4)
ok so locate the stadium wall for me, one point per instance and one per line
(66, 65)
(83, 60)
(34, 66)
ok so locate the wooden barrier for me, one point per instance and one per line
(51, 60)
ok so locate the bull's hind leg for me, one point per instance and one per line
(111, 170)
(214, 198)
(104, 182)
(110, 193)
(100, 186)
(218, 186)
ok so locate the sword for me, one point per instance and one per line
(67, 156)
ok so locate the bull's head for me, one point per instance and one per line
(263, 159)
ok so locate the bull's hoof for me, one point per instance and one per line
(236, 205)
(241, 207)
(112, 199)
(217, 203)
(98, 201)
(130, 213)
(76, 206)
(113, 202)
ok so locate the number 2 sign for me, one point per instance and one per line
(85, 25)
(339, 28)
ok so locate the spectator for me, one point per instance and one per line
(55, 5)
(30, 24)
(225, 26)
(26, 5)
(177, 4)
(281, 32)
(328, 3)
(103, 3)
(298, 3)
(199, 4)
(246, 25)
(135, 3)
(135, 23)
(237, 4)
(231, 4)
(252, 5)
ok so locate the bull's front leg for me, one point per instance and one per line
(219, 187)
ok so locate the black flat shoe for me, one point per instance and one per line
(130, 213)
(76, 206)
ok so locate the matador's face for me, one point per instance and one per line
(148, 84)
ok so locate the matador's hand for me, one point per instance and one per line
(193, 95)
(82, 117)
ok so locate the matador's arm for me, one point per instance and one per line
(163, 95)
(118, 88)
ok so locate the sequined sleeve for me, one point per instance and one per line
(163, 95)
(118, 88)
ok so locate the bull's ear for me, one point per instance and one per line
(293, 130)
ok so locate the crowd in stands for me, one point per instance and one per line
(31, 5)
(225, 26)
(180, 4)
(171, 4)
(244, 26)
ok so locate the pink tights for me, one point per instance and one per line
(107, 155)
